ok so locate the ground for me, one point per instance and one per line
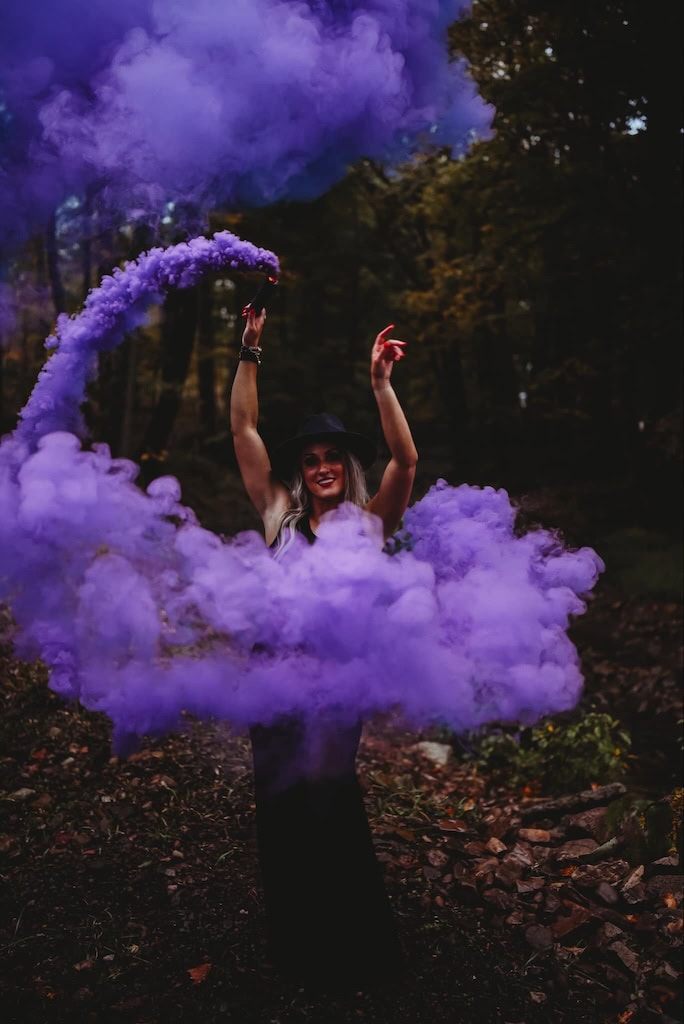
(131, 891)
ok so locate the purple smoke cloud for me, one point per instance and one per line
(136, 610)
(144, 102)
(143, 614)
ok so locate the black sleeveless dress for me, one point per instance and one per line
(328, 917)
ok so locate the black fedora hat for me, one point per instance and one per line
(320, 427)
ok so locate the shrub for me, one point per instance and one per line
(556, 757)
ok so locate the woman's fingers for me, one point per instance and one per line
(388, 350)
(393, 350)
(251, 316)
(381, 337)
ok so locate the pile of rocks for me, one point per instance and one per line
(550, 869)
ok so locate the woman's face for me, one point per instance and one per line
(322, 466)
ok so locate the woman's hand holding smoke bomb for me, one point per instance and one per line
(255, 324)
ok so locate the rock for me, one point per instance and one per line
(515, 919)
(569, 852)
(499, 824)
(625, 955)
(608, 893)
(551, 903)
(575, 918)
(665, 970)
(21, 794)
(589, 876)
(633, 890)
(484, 867)
(635, 894)
(438, 858)
(496, 846)
(534, 835)
(664, 866)
(508, 874)
(539, 936)
(661, 886)
(533, 884)
(588, 823)
(520, 855)
(498, 899)
(438, 753)
(476, 848)
(542, 856)
(633, 878)
(610, 931)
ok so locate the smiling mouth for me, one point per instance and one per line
(324, 481)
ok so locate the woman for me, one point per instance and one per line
(328, 916)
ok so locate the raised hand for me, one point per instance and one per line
(253, 328)
(386, 351)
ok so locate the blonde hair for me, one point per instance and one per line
(355, 491)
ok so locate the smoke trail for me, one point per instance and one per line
(142, 101)
(115, 308)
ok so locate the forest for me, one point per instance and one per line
(535, 871)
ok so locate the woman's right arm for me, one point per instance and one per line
(269, 496)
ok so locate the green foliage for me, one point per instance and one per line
(554, 757)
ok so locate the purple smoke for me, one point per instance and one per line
(143, 614)
(142, 102)
(115, 308)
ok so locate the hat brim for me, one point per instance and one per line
(285, 457)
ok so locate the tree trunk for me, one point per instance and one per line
(206, 377)
(87, 246)
(56, 286)
(177, 336)
(130, 355)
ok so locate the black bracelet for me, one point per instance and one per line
(250, 355)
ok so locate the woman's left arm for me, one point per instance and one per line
(397, 481)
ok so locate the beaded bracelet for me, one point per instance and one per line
(251, 354)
